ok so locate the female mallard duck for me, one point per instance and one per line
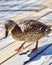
(27, 31)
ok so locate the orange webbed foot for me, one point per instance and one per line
(32, 50)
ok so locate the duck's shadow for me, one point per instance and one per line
(42, 51)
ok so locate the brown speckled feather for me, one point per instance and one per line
(30, 30)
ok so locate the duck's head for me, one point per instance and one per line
(9, 25)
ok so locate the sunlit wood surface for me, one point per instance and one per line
(21, 10)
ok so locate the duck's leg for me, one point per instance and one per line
(21, 47)
(31, 50)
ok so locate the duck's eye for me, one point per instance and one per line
(42, 29)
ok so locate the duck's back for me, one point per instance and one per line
(34, 24)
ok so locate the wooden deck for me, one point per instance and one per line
(21, 10)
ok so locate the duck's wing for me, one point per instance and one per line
(32, 25)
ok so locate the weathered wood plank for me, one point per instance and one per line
(38, 15)
(45, 4)
(48, 60)
(9, 51)
(49, 23)
(48, 3)
(2, 33)
(6, 41)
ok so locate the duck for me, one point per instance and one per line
(27, 31)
